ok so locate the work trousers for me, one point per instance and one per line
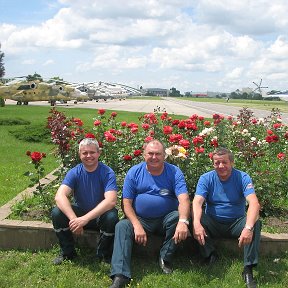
(124, 239)
(216, 229)
(105, 223)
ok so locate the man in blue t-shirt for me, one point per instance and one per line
(92, 185)
(155, 200)
(225, 190)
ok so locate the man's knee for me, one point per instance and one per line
(110, 218)
(124, 226)
(57, 215)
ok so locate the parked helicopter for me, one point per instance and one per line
(24, 91)
(283, 95)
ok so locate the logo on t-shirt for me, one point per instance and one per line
(164, 192)
(250, 186)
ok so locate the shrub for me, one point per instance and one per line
(33, 133)
(259, 145)
(2, 102)
(13, 121)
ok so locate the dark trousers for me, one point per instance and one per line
(124, 239)
(105, 223)
(216, 229)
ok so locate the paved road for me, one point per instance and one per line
(170, 105)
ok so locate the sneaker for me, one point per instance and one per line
(247, 275)
(59, 259)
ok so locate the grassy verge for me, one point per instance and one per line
(252, 104)
(28, 269)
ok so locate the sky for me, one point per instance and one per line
(193, 46)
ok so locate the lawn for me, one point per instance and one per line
(35, 269)
(252, 104)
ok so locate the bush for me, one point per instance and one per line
(13, 121)
(32, 133)
(2, 102)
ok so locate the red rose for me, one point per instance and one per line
(101, 111)
(97, 123)
(137, 152)
(90, 135)
(127, 157)
(78, 121)
(36, 156)
(167, 130)
(281, 156)
(113, 114)
(184, 143)
(145, 126)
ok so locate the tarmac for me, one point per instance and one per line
(170, 105)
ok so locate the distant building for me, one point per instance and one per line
(156, 91)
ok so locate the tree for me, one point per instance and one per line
(2, 69)
(34, 77)
(174, 92)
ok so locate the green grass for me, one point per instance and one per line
(30, 269)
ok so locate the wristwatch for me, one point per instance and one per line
(250, 228)
(186, 221)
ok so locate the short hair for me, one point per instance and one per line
(152, 142)
(223, 151)
(89, 141)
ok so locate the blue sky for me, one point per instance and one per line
(205, 45)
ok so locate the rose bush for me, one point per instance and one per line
(259, 146)
(37, 174)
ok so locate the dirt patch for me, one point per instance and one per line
(275, 225)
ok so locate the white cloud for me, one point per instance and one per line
(207, 43)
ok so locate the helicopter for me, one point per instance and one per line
(25, 91)
(283, 95)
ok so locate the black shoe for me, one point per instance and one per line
(247, 275)
(211, 259)
(58, 260)
(165, 266)
(119, 281)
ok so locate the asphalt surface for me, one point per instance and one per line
(170, 105)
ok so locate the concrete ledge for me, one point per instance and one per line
(37, 235)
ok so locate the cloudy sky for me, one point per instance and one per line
(204, 45)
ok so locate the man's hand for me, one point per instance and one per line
(181, 232)
(245, 237)
(199, 233)
(140, 235)
(76, 225)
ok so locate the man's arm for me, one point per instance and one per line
(251, 218)
(198, 230)
(140, 234)
(109, 202)
(181, 231)
(63, 202)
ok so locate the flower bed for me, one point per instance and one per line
(259, 146)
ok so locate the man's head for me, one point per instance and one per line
(223, 161)
(154, 155)
(89, 153)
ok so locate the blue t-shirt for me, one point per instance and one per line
(154, 196)
(89, 187)
(225, 200)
